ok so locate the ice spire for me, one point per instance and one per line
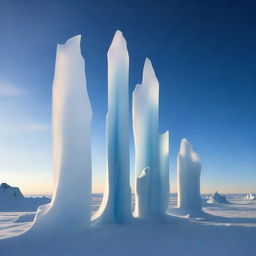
(116, 205)
(147, 147)
(188, 178)
(71, 116)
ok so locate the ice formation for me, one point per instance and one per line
(9, 192)
(116, 205)
(250, 197)
(218, 198)
(164, 171)
(188, 178)
(12, 199)
(71, 203)
(148, 152)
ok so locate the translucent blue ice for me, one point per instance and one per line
(151, 151)
(116, 205)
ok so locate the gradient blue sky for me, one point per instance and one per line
(203, 52)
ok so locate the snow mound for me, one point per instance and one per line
(25, 218)
(218, 198)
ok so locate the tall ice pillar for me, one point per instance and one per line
(116, 205)
(146, 138)
(71, 122)
(188, 178)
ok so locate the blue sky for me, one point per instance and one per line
(204, 56)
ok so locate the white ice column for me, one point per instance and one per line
(142, 193)
(164, 171)
(146, 139)
(71, 116)
(116, 205)
(188, 178)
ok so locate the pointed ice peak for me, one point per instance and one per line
(74, 40)
(149, 75)
(72, 43)
(118, 42)
(149, 88)
(186, 150)
(185, 147)
(165, 144)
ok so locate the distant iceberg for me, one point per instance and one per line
(9, 192)
(250, 197)
(218, 198)
(12, 200)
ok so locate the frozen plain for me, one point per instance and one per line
(225, 230)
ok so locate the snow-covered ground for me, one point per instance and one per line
(225, 230)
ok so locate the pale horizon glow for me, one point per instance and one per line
(41, 186)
